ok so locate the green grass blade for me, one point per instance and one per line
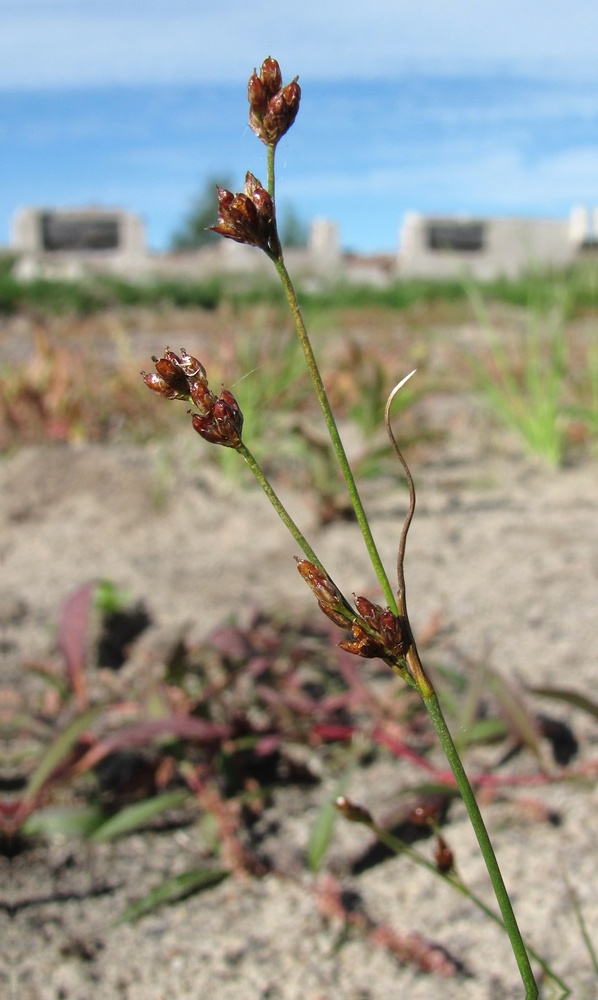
(519, 719)
(138, 814)
(583, 927)
(171, 890)
(65, 821)
(569, 696)
(321, 831)
(58, 751)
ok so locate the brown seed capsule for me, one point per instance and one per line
(264, 204)
(257, 94)
(170, 380)
(443, 856)
(292, 96)
(201, 395)
(369, 612)
(425, 815)
(158, 384)
(270, 75)
(247, 217)
(279, 115)
(395, 632)
(330, 600)
(191, 366)
(363, 644)
(220, 419)
(167, 367)
(223, 423)
(353, 812)
(225, 199)
(320, 583)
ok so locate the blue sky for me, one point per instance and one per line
(434, 105)
(75, 42)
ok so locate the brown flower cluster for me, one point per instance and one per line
(248, 217)
(330, 600)
(379, 633)
(375, 631)
(353, 812)
(272, 107)
(219, 419)
(175, 377)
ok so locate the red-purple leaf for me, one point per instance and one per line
(73, 630)
(182, 727)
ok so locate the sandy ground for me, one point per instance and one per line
(504, 550)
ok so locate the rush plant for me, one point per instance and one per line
(371, 630)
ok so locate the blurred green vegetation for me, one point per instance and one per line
(576, 289)
(526, 346)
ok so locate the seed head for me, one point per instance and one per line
(219, 419)
(443, 856)
(272, 107)
(392, 630)
(271, 75)
(171, 379)
(247, 217)
(363, 644)
(223, 423)
(330, 600)
(352, 811)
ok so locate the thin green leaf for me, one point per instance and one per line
(452, 878)
(54, 680)
(58, 751)
(486, 731)
(583, 927)
(518, 718)
(108, 598)
(321, 831)
(138, 814)
(569, 696)
(69, 822)
(469, 710)
(171, 890)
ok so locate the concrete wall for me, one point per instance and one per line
(113, 241)
(447, 246)
(130, 258)
(70, 242)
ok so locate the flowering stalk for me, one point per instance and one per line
(249, 217)
(279, 507)
(430, 699)
(335, 437)
(219, 420)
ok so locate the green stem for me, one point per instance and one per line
(334, 434)
(270, 157)
(399, 846)
(467, 794)
(279, 507)
(416, 671)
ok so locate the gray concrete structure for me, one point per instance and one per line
(446, 246)
(73, 241)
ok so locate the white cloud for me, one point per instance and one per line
(502, 179)
(78, 42)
